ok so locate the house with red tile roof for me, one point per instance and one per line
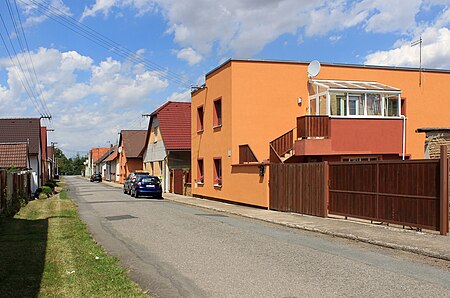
(108, 164)
(26, 130)
(14, 155)
(131, 146)
(93, 156)
(167, 151)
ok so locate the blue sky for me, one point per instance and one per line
(93, 92)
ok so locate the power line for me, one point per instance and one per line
(41, 92)
(85, 31)
(23, 81)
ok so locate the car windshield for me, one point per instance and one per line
(150, 180)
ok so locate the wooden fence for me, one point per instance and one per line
(411, 193)
(15, 188)
(299, 188)
(400, 192)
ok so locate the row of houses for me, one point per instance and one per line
(251, 113)
(23, 147)
(163, 150)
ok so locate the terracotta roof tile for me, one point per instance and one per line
(133, 142)
(175, 124)
(23, 130)
(13, 154)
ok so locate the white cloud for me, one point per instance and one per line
(245, 27)
(183, 96)
(32, 11)
(190, 55)
(435, 51)
(102, 6)
(89, 101)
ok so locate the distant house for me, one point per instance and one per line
(106, 165)
(131, 145)
(93, 156)
(14, 156)
(26, 130)
(167, 151)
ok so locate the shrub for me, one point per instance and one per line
(47, 191)
(51, 184)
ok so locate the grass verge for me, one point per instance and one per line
(47, 251)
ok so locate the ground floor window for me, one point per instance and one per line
(200, 171)
(217, 172)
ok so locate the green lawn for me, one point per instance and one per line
(46, 251)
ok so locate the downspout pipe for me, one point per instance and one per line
(403, 136)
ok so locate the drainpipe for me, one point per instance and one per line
(403, 136)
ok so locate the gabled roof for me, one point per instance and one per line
(175, 124)
(14, 154)
(98, 152)
(133, 142)
(112, 152)
(21, 130)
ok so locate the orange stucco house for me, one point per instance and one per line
(250, 113)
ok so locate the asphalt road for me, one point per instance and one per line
(173, 250)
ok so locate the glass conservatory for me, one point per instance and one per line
(357, 99)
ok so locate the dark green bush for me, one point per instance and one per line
(47, 191)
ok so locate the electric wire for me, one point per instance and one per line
(27, 51)
(85, 31)
(23, 81)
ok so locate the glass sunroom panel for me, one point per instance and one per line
(338, 104)
(312, 106)
(323, 105)
(356, 104)
(391, 105)
(373, 104)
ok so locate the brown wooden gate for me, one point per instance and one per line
(300, 188)
(177, 175)
(400, 192)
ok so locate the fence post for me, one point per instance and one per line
(326, 187)
(444, 192)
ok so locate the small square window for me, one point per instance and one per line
(200, 118)
(217, 121)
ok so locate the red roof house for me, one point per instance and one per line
(167, 151)
(26, 130)
(14, 155)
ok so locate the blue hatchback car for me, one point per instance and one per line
(147, 186)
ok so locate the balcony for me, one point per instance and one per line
(325, 135)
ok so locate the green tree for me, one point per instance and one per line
(69, 166)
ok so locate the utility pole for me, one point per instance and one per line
(55, 162)
(413, 44)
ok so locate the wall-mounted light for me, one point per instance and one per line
(299, 101)
(261, 170)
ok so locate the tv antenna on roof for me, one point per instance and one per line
(414, 43)
(313, 69)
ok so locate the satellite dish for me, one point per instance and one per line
(313, 68)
